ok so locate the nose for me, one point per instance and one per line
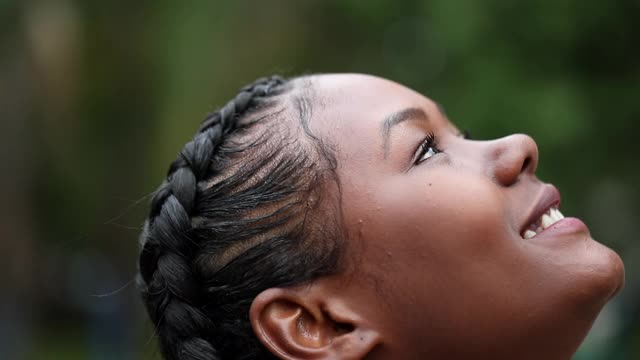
(512, 157)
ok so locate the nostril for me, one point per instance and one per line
(525, 164)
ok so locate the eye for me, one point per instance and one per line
(429, 153)
(427, 149)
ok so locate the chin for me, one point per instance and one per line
(600, 277)
(612, 270)
(597, 275)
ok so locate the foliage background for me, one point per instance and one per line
(96, 98)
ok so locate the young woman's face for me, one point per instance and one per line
(437, 244)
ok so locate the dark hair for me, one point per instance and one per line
(241, 211)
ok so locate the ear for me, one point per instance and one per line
(304, 323)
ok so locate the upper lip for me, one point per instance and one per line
(549, 197)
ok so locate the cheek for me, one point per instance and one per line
(432, 236)
(446, 214)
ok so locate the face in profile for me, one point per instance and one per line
(455, 249)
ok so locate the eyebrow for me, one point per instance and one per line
(396, 118)
(441, 108)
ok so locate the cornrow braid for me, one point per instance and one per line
(171, 289)
(203, 246)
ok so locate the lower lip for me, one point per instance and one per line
(563, 227)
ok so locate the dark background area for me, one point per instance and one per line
(97, 97)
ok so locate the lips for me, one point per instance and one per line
(547, 219)
(544, 214)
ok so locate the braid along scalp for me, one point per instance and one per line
(236, 215)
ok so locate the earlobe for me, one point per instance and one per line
(300, 324)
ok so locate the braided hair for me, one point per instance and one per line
(239, 212)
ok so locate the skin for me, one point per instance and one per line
(437, 265)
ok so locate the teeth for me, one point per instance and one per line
(549, 218)
(556, 215)
(546, 221)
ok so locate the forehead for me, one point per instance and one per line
(349, 111)
(352, 97)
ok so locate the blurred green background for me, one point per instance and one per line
(97, 97)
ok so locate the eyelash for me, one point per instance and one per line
(429, 142)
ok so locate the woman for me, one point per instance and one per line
(345, 217)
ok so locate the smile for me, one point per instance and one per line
(550, 217)
(544, 213)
